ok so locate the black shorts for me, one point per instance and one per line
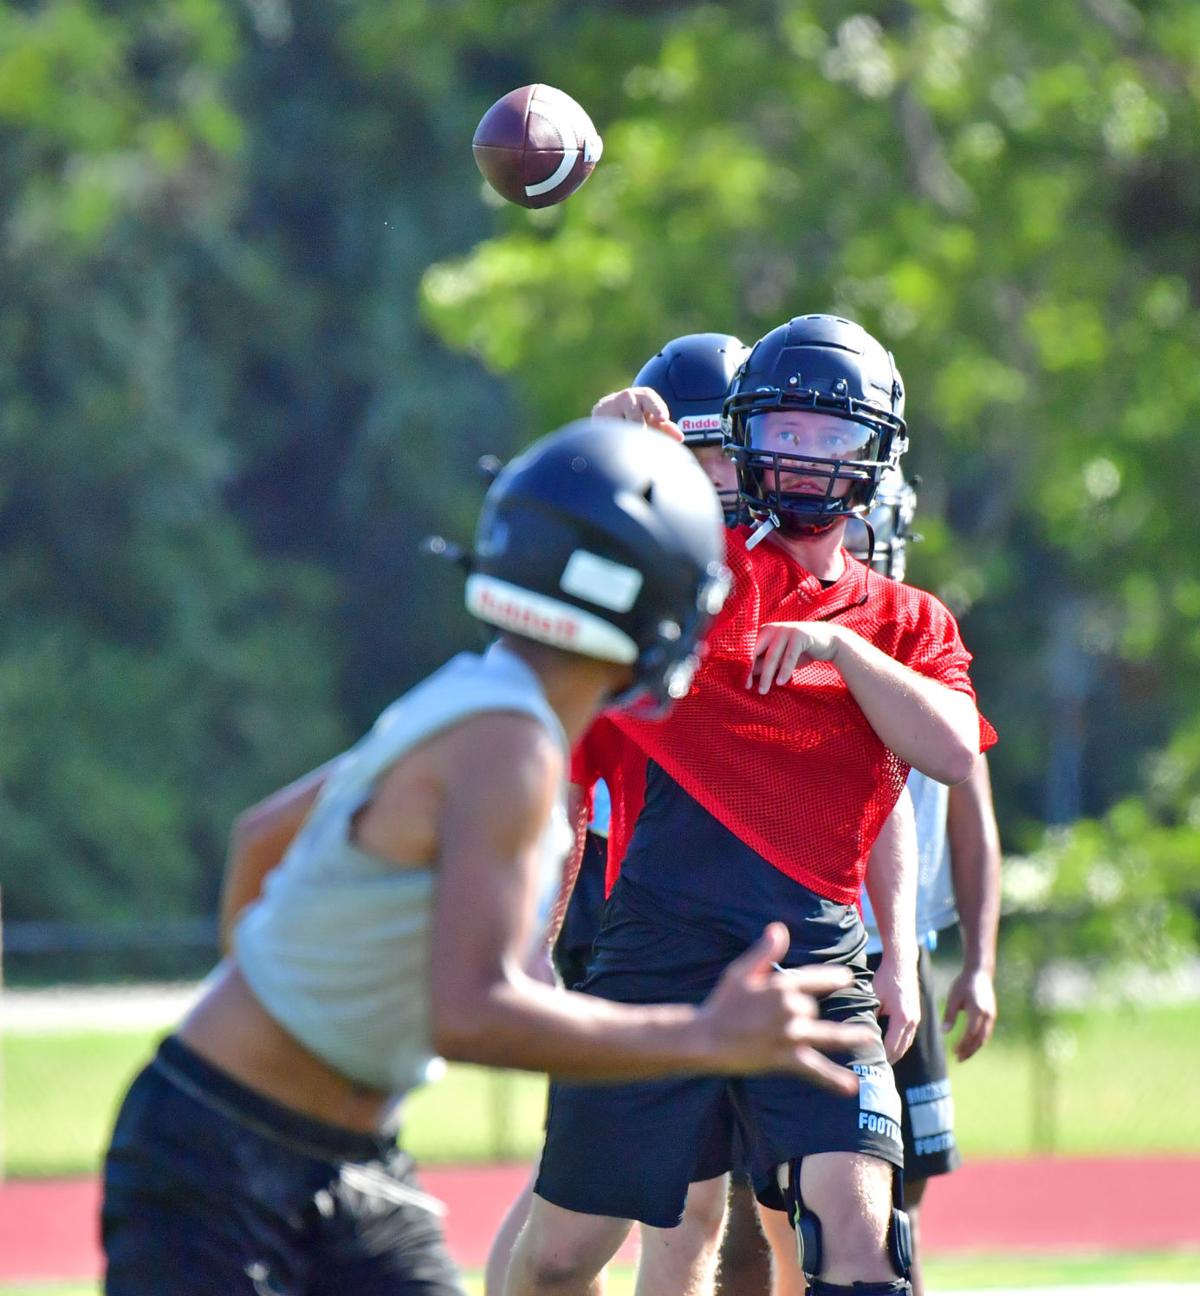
(210, 1187)
(926, 1105)
(573, 948)
(630, 1150)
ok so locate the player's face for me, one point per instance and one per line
(717, 468)
(804, 434)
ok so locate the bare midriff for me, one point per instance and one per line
(230, 1029)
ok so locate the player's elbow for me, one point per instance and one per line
(458, 1032)
(958, 749)
(950, 761)
(959, 761)
(468, 1026)
(456, 1041)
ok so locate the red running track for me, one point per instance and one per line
(48, 1229)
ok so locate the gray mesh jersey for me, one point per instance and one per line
(336, 947)
(935, 887)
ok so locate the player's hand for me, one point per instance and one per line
(899, 995)
(974, 994)
(783, 644)
(761, 1019)
(638, 405)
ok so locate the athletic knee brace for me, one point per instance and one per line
(901, 1287)
(807, 1227)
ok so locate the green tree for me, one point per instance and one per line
(153, 670)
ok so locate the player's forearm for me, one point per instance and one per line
(975, 868)
(248, 865)
(978, 921)
(258, 841)
(891, 882)
(517, 1023)
(932, 727)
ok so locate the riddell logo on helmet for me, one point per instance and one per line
(518, 616)
(700, 423)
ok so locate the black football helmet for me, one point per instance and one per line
(605, 539)
(881, 538)
(692, 374)
(846, 399)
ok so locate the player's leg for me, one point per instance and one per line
(622, 1152)
(841, 1154)
(744, 1266)
(683, 1259)
(851, 1196)
(376, 1232)
(927, 1111)
(571, 953)
(914, 1193)
(562, 1252)
(202, 1191)
(613, 1154)
(501, 1250)
(788, 1278)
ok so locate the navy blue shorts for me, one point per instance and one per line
(630, 1150)
(926, 1106)
(210, 1187)
(573, 948)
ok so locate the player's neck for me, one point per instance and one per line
(819, 554)
(576, 687)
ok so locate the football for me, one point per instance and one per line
(536, 146)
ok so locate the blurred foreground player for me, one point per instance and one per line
(765, 789)
(256, 1153)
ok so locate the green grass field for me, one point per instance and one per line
(979, 1273)
(1117, 1094)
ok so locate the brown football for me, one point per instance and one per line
(536, 146)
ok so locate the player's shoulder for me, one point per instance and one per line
(904, 618)
(909, 603)
(737, 555)
(503, 733)
(502, 758)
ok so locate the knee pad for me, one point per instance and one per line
(807, 1227)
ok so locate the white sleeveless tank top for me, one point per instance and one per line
(336, 947)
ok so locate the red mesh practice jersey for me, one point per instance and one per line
(606, 753)
(797, 774)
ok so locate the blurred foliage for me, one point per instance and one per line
(209, 246)
(259, 318)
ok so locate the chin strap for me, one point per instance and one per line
(871, 542)
(764, 529)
